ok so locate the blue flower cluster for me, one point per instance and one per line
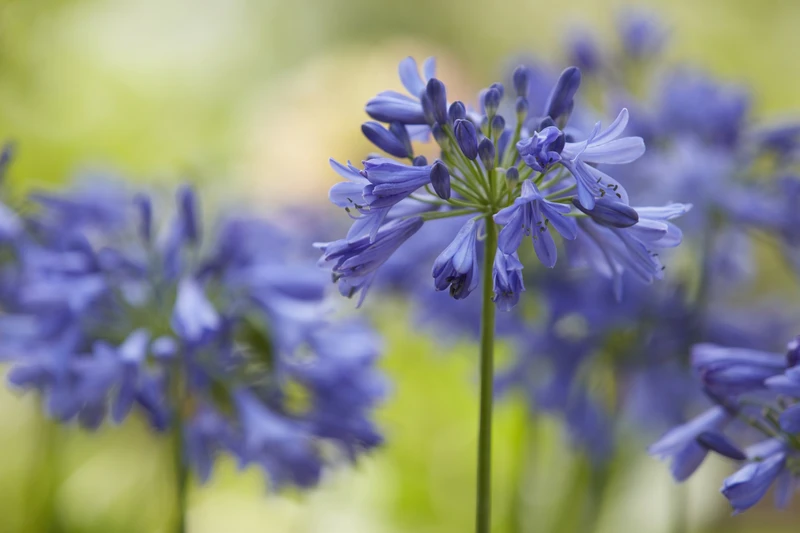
(533, 174)
(753, 388)
(225, 342)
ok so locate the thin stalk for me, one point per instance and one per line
(42, 515)
(447, 214)
(180, 472)
(484, 494)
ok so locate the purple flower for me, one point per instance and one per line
(456, 267)
(749, 484)
(561, 100)
(531, 214)
(680, 443)
(731, 371)
(391, 106)
(613, 251)
(507, 280)
(357, 260)
(543, 149)
(277, 443)
(194, 319)
(602, 147)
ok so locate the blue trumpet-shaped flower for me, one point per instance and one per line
(391, 106)
(456, 267)
(602, 147)
(531, 214)
(507, 280)
(681, 446)
(748, 485)
(357, 260)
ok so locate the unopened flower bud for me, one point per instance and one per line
(491, 101)
(561, 100)
(521, 79)
(420, 161)
(467, 138)
(438, 98)
(440, 136)
(608, 212)
(384, 139)
(440, 179)
(521, 106)
(457, 111)
(512, 176)
(498, 125)
(486, 153)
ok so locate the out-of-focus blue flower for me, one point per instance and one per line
(681, 446)
(748, 485)
(735, 370)
(641, 35)
(113, 320)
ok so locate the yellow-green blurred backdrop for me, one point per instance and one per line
(250, 98)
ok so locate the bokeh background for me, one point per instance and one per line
(249, 99)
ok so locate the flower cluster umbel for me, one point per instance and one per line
(751, 388)
(521, 168)
(227, 345)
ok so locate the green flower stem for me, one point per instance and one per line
(447, 214)
(484, 495)
(180, 471)
(511, 149)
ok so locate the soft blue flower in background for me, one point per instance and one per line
(120, 320)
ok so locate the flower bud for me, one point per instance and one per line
(384, 139)
(438, 98)
(521, 106)
(486, 153)
(546, 122)
(187, 206)
(793, 352)
(611, 213)
(457, 111)
(427, 109)
(512, 176)
(440, 179)
(561, 100)
(521, 79)
(498, 125)
(467, 138)
(491, 101)
(440, 136)
(500, 89)
(420, 161)
(145, 208)
(716, 441)
(399, 130)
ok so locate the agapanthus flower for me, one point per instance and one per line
(211, 343)
(735, 378)
(507, 280)
(456, 267)
(526, 177)
(531, 215)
